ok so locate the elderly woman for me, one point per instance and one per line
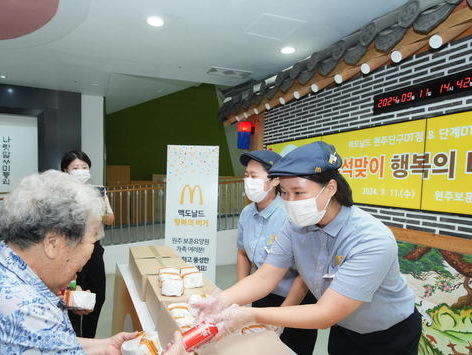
(50, 223)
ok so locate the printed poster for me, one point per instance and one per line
(191, 204)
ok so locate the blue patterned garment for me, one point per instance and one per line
(32, 319)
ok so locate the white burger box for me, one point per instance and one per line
(264, 343)
(147, 260)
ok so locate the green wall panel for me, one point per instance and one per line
(139, 135)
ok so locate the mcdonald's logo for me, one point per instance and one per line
(191, 193)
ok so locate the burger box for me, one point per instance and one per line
(147, 260)
(140, 270)
(264, 343)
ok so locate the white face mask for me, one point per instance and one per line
(81, 175)
(305, 212)
(254, 189)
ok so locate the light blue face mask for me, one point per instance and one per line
(81, 175)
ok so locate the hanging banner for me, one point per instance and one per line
(191, 204)
(18, 149)
(424, 164)
(379, 163)
(447, 185)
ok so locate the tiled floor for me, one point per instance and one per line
(225, 277)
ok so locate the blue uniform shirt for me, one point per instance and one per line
(257, 232)
(354, 255)
(32, 319)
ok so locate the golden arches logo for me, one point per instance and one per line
(191, 193)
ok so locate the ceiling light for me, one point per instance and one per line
(10, 90)
(3, 76)
(287, 50)
(155, 21)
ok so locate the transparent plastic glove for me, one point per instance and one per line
(234, 318)
(210, 306)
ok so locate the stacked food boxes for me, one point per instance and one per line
(169, 286)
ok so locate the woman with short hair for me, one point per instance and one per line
(259, 226)
(50, 223)
(92, 276)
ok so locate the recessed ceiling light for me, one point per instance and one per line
(3, 76)
(287, 50)
(155, 21)
(10, 90)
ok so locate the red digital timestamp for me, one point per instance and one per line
(405, 97)
(458, 84)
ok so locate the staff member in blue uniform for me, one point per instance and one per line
(347, 258)
(259, 225)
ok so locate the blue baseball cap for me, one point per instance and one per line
(265, 157)
(306, 160)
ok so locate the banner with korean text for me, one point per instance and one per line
(18, 149)
(424, 164)
(191, 204)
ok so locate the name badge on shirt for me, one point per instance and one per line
(272, 238)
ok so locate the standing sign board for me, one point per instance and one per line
(191, 204)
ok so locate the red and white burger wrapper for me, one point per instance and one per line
(146, 343)
(198, 335)
(82, 300)
(171, 287)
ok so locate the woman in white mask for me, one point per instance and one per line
(258, 229)
(92, 276)
(347, 257)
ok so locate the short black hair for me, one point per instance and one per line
(343, 193)
(69, 157)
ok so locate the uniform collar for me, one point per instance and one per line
(267, 212)
(18, 266)
(333, 227)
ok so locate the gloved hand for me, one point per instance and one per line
(234, 318)
(210, 306)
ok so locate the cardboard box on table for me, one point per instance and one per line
(140, 270)
(265, 343)
(151, 251)
(147, 260)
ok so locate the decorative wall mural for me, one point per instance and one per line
(442, 282)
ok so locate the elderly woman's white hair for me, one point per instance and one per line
(51, 202)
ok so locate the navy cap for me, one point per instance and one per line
(266, 157)
(306, 160)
